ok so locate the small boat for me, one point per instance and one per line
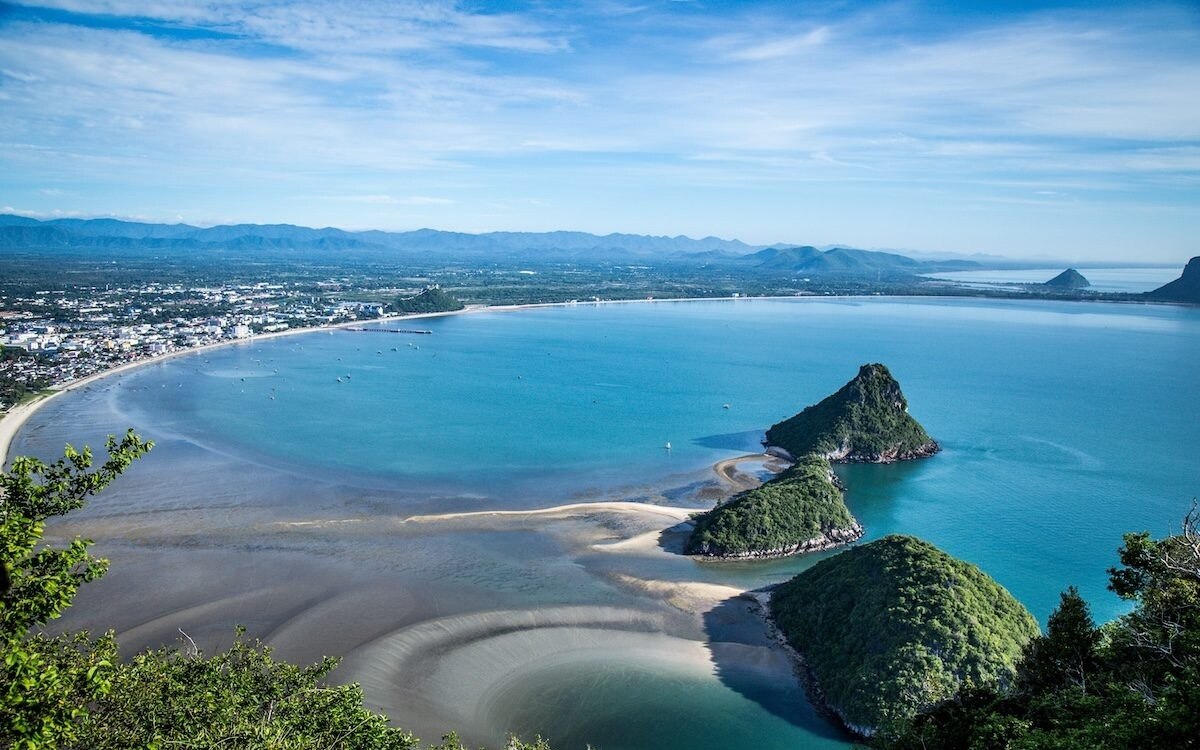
(339, 380)
(726, 406)
(668, 445)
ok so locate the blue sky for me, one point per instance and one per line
(1067, 130)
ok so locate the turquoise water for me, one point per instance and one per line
(1063, 426)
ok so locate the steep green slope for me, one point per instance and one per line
(866, 420)
(801, 510)
(1184, 289)
(892, 627)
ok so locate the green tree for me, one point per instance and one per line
(1132, 683)
(1067, 656)
(72, 692)
(40, 696)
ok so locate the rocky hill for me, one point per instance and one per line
(890, 628)
(1068, 279)
(1184, 289)
(867, 420)
(801, 510)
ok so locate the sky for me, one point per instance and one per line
(1054, 130)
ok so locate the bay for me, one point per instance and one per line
(283, 499)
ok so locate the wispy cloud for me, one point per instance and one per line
(425, 104)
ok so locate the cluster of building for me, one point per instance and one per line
(57, 337)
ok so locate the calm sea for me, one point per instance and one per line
(1132, 280)
(1063, 426)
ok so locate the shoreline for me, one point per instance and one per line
(15, 418)
(804, 674)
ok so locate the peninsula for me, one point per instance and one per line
(803, 509)
(912, 625)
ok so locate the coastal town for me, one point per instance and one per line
(51, 338)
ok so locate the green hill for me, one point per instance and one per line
(433, 299)
(801, 510)
(892, 627)
(867, 420)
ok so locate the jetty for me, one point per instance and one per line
(391, 330)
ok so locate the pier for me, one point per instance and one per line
(390, 330)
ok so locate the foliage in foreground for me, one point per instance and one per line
(800, 505)
(867, 419)
(73, 692)
(1130, 684)
(895, 626)
(42, 697)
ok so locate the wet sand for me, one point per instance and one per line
(446, 619)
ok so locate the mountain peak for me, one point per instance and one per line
(867, 420)
(1069, 279)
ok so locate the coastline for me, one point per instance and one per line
(15, 418)
(808, 680)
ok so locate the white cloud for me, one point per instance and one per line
(382, 103)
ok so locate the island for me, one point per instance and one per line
(803, 509)
(800, 510)
(1068, 280)
(867, 420)
(890, 628)
(1184, 289)
(431, 299)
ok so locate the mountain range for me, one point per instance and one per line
(19, 232)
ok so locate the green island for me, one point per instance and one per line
(893, 627)
(431, 299)
(801, 510)
(867, 420)
(804, 509)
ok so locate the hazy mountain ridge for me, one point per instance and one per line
(113, 234)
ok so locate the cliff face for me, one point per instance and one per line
(890, 628)
(867, 420)
(1184, 289)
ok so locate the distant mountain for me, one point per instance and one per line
(22, 232)
(112, 234)
(1068, 279)
(848, 262)
(1184, 289)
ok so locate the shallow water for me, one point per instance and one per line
(1063, 425)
